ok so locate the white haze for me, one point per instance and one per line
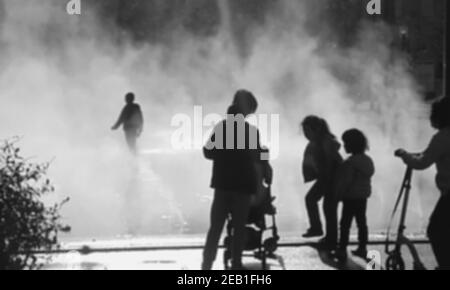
(63, 79)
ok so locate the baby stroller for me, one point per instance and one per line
(263, 249)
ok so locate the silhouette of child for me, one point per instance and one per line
(353, 188)
(438, 152)
(320, 163)
(132, 120)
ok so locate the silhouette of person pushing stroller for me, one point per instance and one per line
(235, 151)
(132, 120)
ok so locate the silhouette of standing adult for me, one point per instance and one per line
(132, 121)
(320, 163)
(438, 152)
(236, 154)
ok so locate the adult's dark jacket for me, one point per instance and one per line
(234, 167)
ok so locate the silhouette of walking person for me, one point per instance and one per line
(320, 163)
(438, 152)
(236, 154)
(132, 121)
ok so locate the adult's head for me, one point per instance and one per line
(315, 128)
(245, 102)
(355, 142)
(440, 114)
(129, 98)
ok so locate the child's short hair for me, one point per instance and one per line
(355, 141)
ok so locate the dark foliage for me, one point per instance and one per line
(26, 223)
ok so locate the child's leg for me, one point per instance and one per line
(330, 206)
(361, 221)
(312, 199)
(346, 223)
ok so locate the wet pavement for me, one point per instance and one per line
(181, 253)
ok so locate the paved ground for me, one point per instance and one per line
(132, 256)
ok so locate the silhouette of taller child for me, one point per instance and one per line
(320, 164)
(132, 120)
(236, 153)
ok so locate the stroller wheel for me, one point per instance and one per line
(271, 245)
(395, 263)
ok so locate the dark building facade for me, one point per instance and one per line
(420, 29)
(423, 21)
(417, 24)
(417, 27)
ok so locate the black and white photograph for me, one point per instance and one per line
(204, 137)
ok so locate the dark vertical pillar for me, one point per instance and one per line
(446, 48)
(388, 7)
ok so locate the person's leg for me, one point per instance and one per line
(330, 210)
(312, 199)
(361, 221)
(346, 223)
(219, 210)
(131, 138)
(239, 214)
(439, 233)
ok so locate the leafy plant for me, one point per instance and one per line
(27, 225)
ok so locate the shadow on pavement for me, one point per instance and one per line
(328, 259)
